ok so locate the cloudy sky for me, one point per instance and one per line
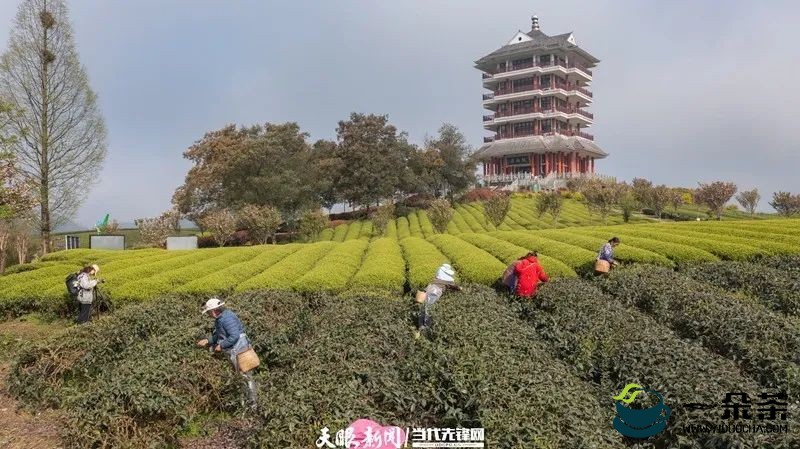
(686, 91)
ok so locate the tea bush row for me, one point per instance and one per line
(578, 259)
(422, 259)
(471, 263)
(623, 253)
(413, 226)
(334, 270)
(383, 268)
(517, 391)
(678, 253)
(283, 274)
(509, 252)
(611, 345)
(403, 230)
(762, 342)
(722, 249)
(353, 230)
(425, 223)
(771, 286)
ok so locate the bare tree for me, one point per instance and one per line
(62, 141)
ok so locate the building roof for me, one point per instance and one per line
(538, 41)
(541, 144)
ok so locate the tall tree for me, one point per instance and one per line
(62, 134)
(457, 170)
(749, 200)
(785, 203)
(268, 165)
(374, 159)
(715, 195)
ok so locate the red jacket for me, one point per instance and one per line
(529, 274)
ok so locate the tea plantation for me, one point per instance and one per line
(698, 310)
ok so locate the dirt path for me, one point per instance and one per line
(19, 429)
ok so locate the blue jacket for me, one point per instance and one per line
(227, 328)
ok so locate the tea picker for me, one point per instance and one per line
(445, 279)
(229, 337)
(82, 287)
(605, 258)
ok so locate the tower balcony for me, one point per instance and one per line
(564, 132)
(578, 115)
(530, 68)
(563, 91)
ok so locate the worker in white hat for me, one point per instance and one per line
(86, 283)
(229, 337)
(445, 278)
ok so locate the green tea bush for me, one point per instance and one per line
(676, 252)
(413, 225)
(471, 263)
(624, 252)
(334, 270)
(423, 259)
(579, 259)
(725, 250)
(763, 343)
(509, 252)
(391, 229)
(458, 221)
(383, 268)
(326, 235)
(353, 230)
(763, 243)
(339, 232)
(769, 285)
(473, 224)
(517, 390)
(227, 278)
(425, 224)
(790, 241)
(367, 229)
(282, 275)
(788, 264)
(611, 345)
(402, 228)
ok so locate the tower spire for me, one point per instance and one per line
(535, 23)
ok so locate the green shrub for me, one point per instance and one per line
(578, 259)
(283, 274)
(402, 228)
(477, 212)
(495, 209)
(721, 322)
(457, 222)
(610, 345)
(471, 263)
(473, 224)
(676, 252)
(516, 390)
(413, 225)
(624, 252)
(332, 272)
(764, 243)
(339, 232)
(423, 259)
(391, 230)
(353, 230)
(509, 252)
(425, 224)
(326, 235)
(788, 264)
(440, 212)
(769, 285)
(227, 278)
(725, 250)
(367, 230)
(383, 268)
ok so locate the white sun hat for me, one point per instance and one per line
(446, 273)
(211, 304)
(96, 268)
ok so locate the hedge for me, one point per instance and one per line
(402, 228)
(763, 343)
(326, 235)
(760, 241)
(610, 345)
(425, 223)
(509, 252)
(391, 230)
(676, 252)
(517, 391)
(353, 230)
(758, 235)
(422, 259)
(169, 281)
(578, 259)
(383, 268)
(366, 230)
(725, 250)
(333, 271)
(283, 274)
(413, 225)
(771, 286)
(339, 232)
(458, 221)
(226, 279)
(474, 225)
(476, 210)
(471, 263)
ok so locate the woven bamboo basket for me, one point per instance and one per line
(247, 360)
(602, 266)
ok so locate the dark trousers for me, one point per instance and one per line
(85, 313)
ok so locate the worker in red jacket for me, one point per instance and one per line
(529, 274)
